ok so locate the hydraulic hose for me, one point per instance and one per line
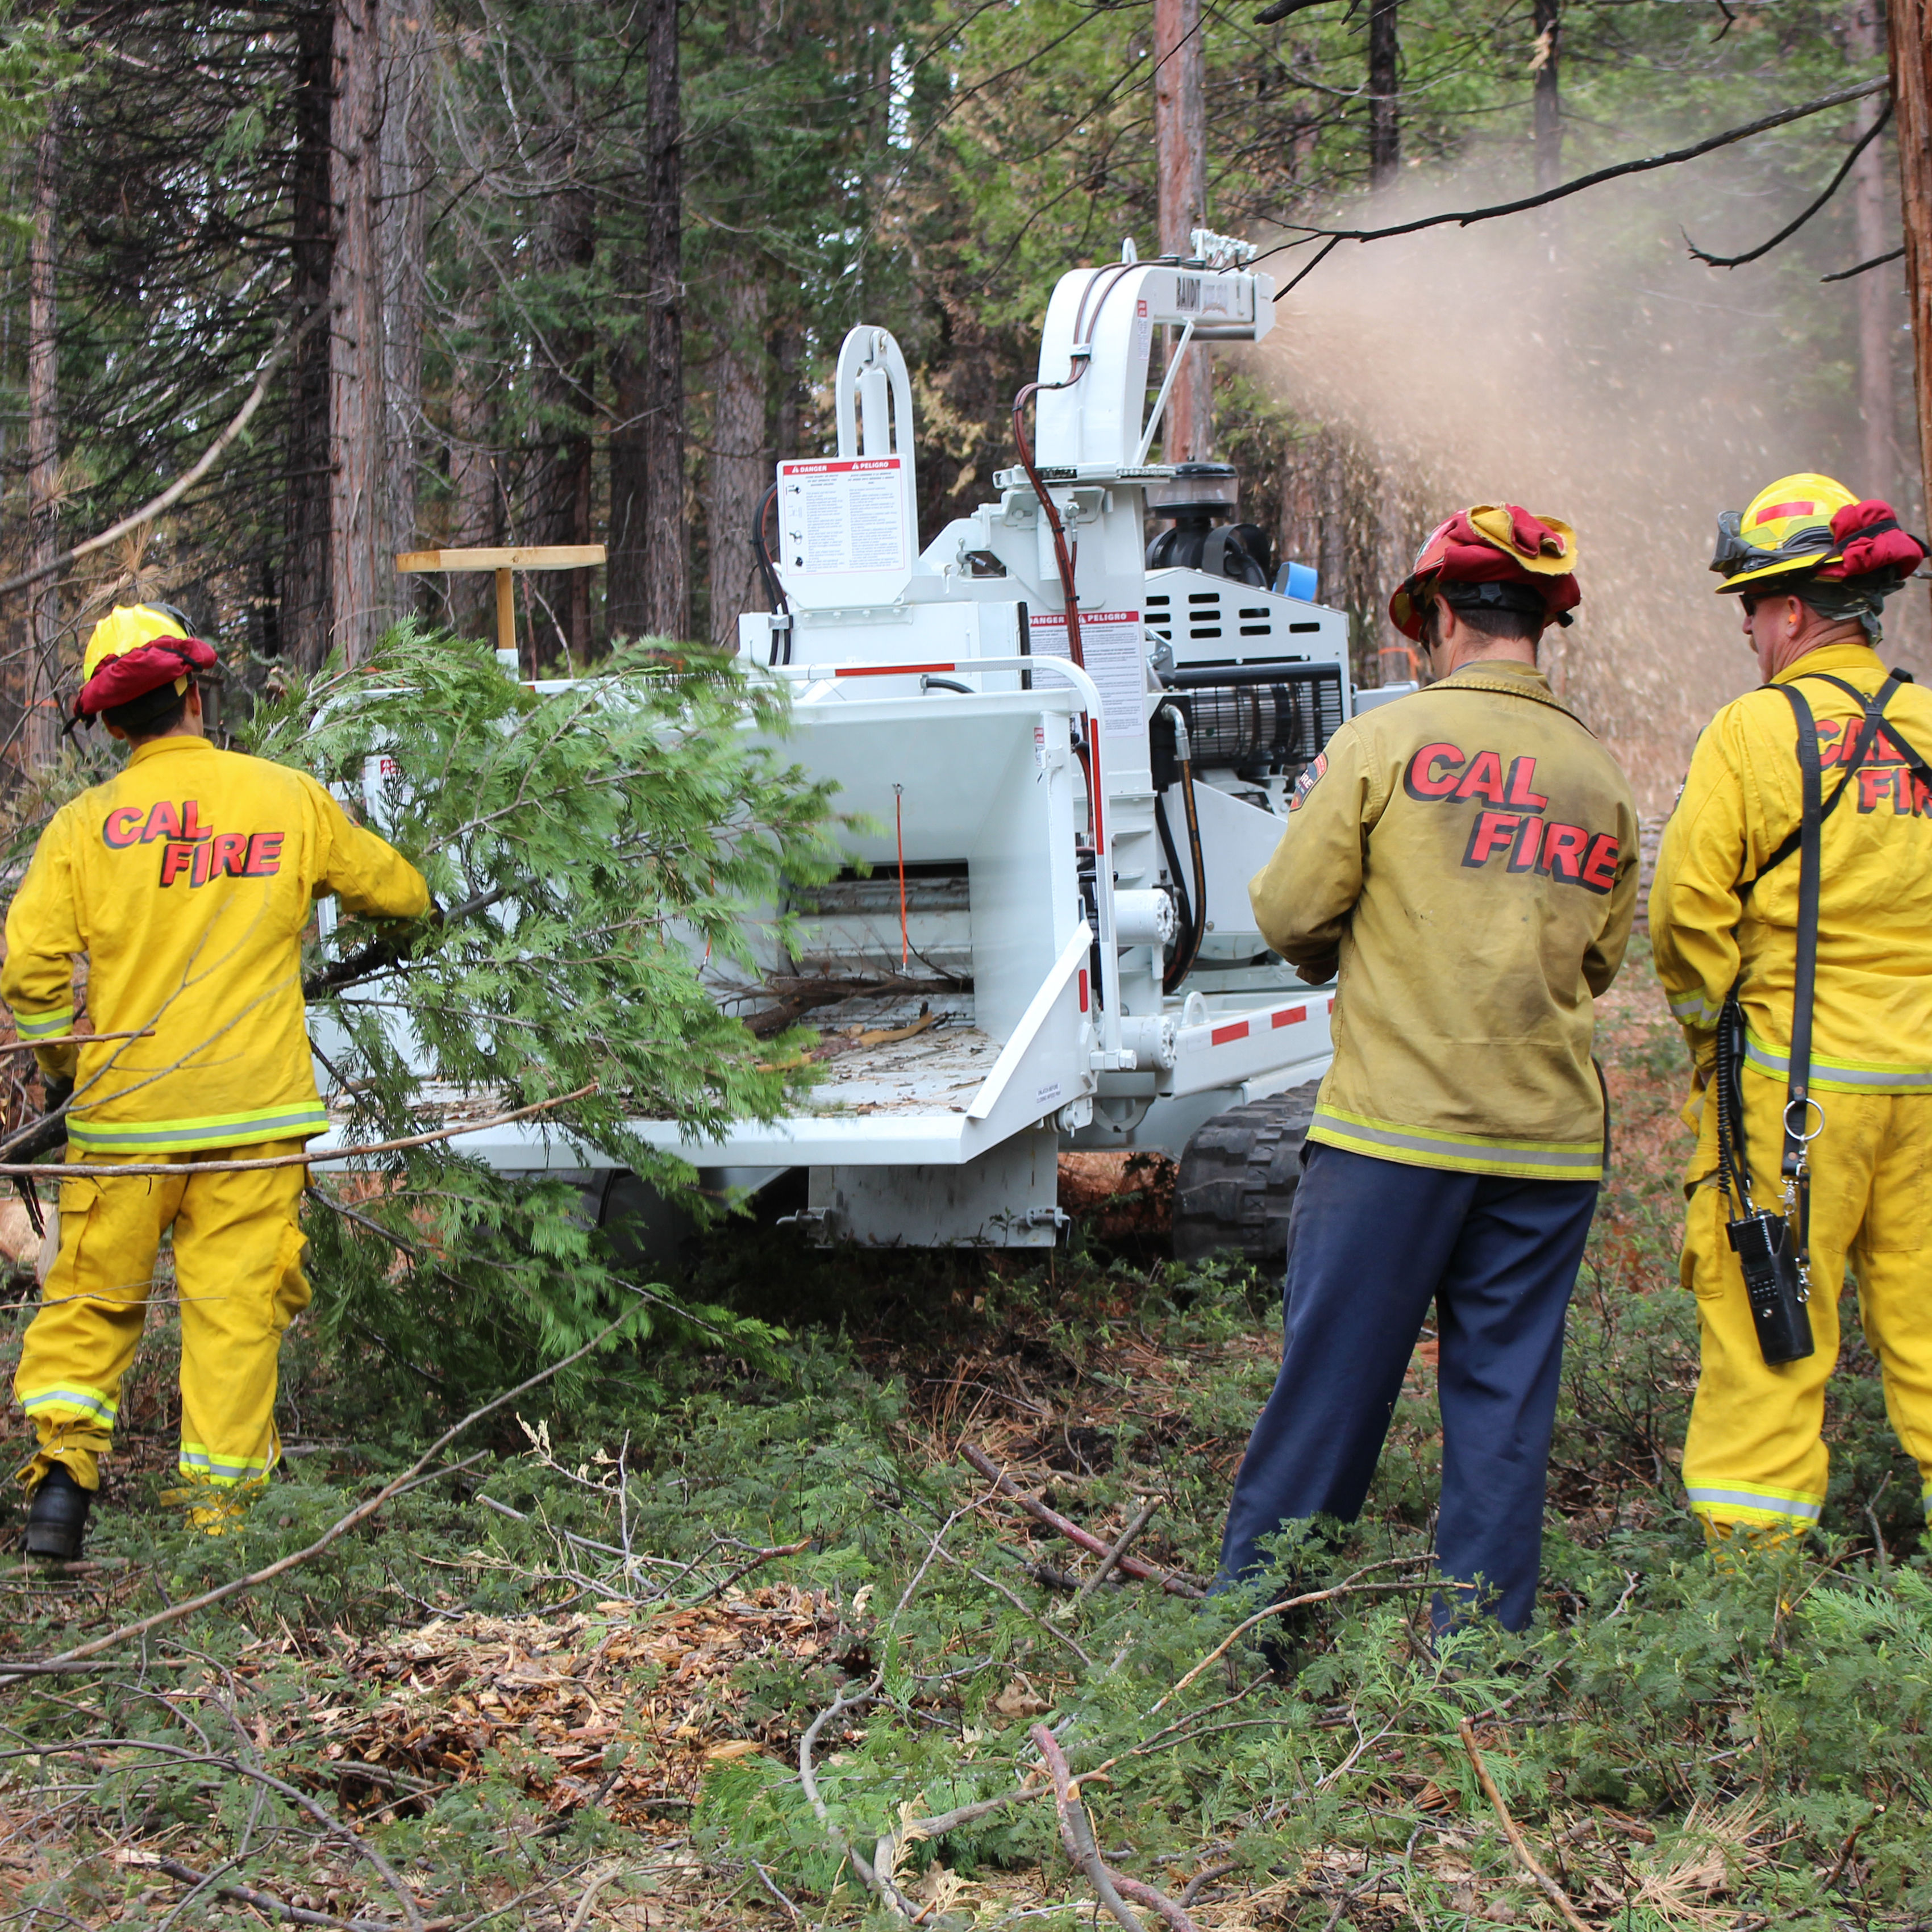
(1200, 927)
(1063, 560)
(1170, 979)
(761, 551)
(1196, 902)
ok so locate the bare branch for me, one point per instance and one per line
(1784, 234)
(340, 1527)
(189, 478)
(1465, 217)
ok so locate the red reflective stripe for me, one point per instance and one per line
(1289, 1016)
(1222, 1035)
(891, 671)
(1083, 989)
(1771, 512)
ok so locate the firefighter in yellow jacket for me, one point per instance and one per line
(1811, 567)
(185, 883)
(1467, 858)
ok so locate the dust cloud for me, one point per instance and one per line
(1581, 364)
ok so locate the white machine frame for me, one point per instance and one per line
(935, 687)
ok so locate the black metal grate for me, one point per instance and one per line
(1260, 728)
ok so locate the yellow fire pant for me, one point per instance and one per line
(238, 1268)
(1755, 1462)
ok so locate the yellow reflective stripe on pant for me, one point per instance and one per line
(1747, 1502)
(96, 1405)
(44, 1026)
(203, 1466)
(198, 1135)
(238, 1266)
(1464, 1154)
(1839, 1076)
(1755, 1457)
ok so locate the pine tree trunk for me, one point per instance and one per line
(407, 165)
(37, 674)
(1909, 29)
(1384, 82)
(666, 572)
(1180, 150)
(475, 517)
(740, 462)
(1548, 19)
(358, 588)
(626, 607)
(560, 599)
(1864, 40)
(301, 624)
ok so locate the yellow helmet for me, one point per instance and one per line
(127, 628)
(1785, 531)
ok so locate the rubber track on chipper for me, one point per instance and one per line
(1238, 1179)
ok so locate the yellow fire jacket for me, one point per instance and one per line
(1712, 918)
(187, 881)
(1469, 856)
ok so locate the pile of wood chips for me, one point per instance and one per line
(610, 1708)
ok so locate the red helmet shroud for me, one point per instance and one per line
(1489, 544)
(121, 679)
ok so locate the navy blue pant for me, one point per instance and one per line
(1374, 1242)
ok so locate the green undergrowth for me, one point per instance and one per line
(1681, 1743)
(1674, 1737)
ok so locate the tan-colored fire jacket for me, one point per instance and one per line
(1469, 856)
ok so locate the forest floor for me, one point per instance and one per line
(567, 1685)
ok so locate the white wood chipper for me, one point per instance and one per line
(1076, 746)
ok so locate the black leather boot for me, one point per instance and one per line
(57, 1518)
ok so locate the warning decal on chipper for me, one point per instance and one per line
(1110, 642)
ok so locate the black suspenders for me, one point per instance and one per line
(1774, 1253)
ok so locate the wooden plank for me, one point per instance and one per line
(528, 556)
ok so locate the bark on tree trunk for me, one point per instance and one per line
(1547, 63)
(476, 520)
(358, 587)
(740, 462)
(1180, 150)
(626, 605)
(407, 168)
(301, 627)
(1910, 30)
(667, 573)
(1864, 39)
(34, 678)
(1385, 80)
(560, 599)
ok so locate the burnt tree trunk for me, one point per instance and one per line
(740, 462)
(37, 668)
(302, 626)
(1385, 84)
(1181, 151)
(666, 597)
(358, 586)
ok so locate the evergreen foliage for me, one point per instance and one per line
(630, 833)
